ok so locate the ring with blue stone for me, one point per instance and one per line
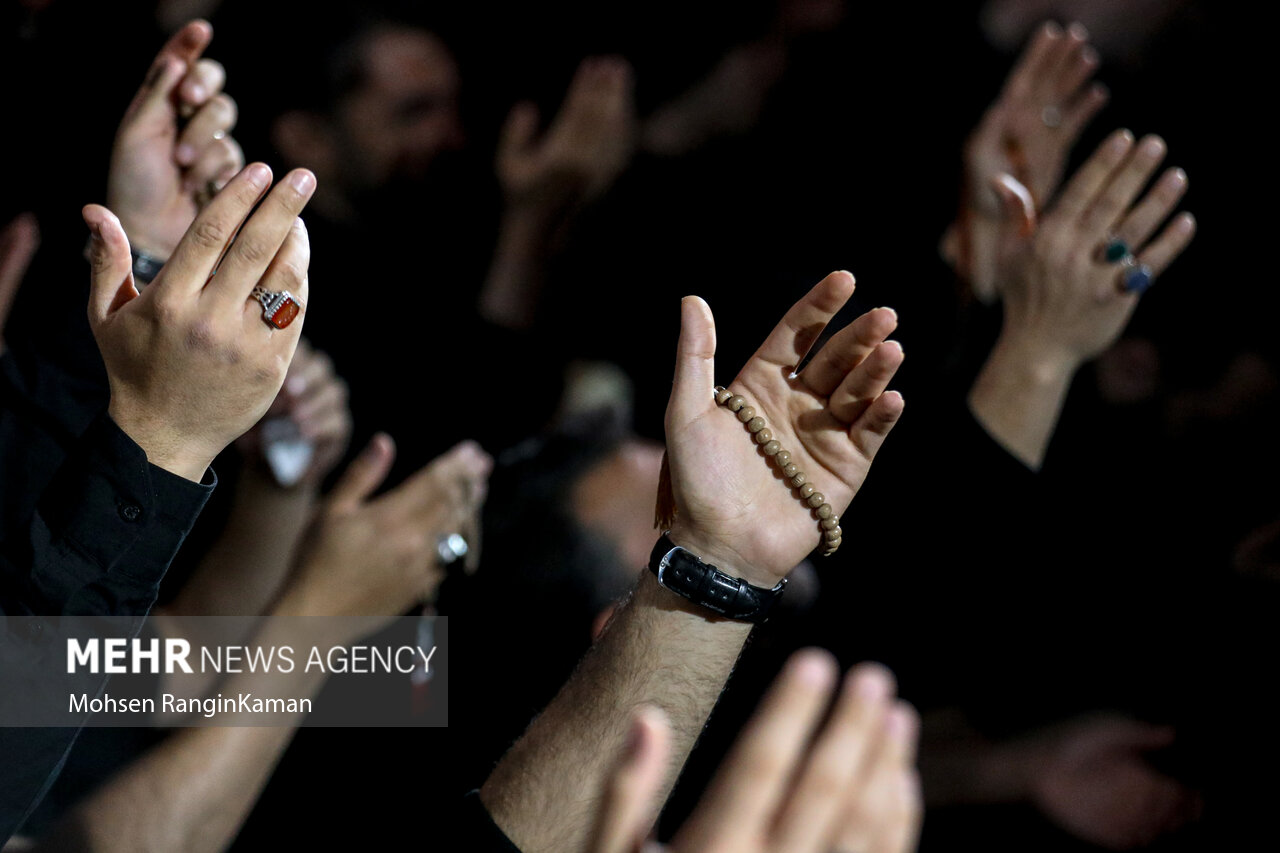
(1116, 251)
(1136, 277)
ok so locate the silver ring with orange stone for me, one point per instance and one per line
(278, 309)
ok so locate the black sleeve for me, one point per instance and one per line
(476, 829)
(98, 543)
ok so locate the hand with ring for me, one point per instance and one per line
(174, 148)
(1079, 277)
(368, 560)
(190, 362)
(1027, 134)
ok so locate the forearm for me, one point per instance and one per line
(243, 571)
(513, 285)
(1018, 397)
(194, 791)
(958, 766)
(659, 649)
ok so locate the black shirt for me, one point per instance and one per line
(89, 528)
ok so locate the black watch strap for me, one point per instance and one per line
(684, 574)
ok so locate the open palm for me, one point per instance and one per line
(736, 508)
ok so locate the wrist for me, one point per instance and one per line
(1038, 360)
(723, 557)
(162, 450)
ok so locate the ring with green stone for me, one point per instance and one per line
(1116, 251)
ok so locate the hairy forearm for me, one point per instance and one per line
(1018, 397)
(658, 649)
(194, 790)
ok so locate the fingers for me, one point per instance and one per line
(873, 426)
(1036, 58)
(1104, 214)
(217, 164)
(866, 382)
(452, 481)
(800, 327)
(1075, 63)
(111, 266)
(754, 778)
(364, 475)
(1165, 249)
(212, 122)
(1092, 177)
(518, 130)
(629, 807)
(1154, 208)
(287, 272)
(1077, 112)
(836, 760)
(259, 241)
(695, 362)
(846, 350)
(154, 100)
(193, 261)
(882, 808)
(203, 81)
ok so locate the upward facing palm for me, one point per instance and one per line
(735, 507)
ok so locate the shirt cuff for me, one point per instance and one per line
(121, 514)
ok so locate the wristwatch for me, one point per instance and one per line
(684, 574)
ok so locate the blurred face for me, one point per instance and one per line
(615, 499)
(405, 114)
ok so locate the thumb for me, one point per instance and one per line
(1016, 204)
(695, 361)
(154, 100)
(110, 264)
(364, 475)
(518, 130)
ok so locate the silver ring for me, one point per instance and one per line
(451, 548)
(1052, 117)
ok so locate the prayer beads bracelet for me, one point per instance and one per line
(815, 500)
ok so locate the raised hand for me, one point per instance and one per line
(1064, 299)
(173, 149)
(1092, 778)
(368, 561)
(733, 507)
(584, 150)
(1027, 134)
(793, 781)
(314, 400)
(191, 363)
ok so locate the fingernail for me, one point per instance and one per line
(185, 154)
(1177, 178)
(1052, 30)
(872, 684)
(1089, 56)
(1152, 146)
(197, 92)
(302, 181)
(812, 668)
(258, 175)
(1120, 142)
(1078, 32)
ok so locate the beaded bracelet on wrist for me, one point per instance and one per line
(828, 521)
